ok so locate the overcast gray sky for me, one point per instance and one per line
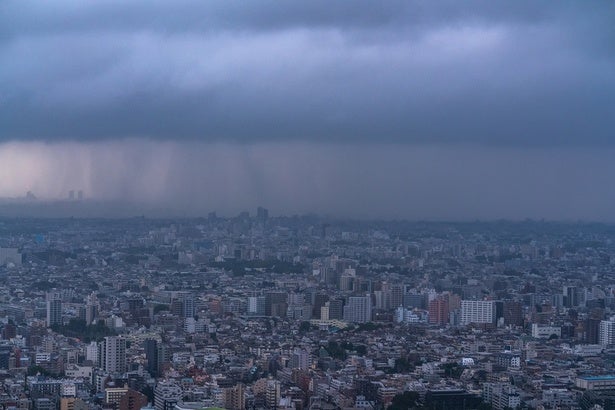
(389, 109)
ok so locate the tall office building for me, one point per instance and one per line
(188, 306)
(571, 296)
(358, 309)
(477, 311)
(151, 355)
(112, 354)
(397, 296)
(54, 309)
(156, 355)
(592, 330)
(336, 309)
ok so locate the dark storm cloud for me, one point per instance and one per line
(513, 73)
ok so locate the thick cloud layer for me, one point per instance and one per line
(491, 73)
(414, 109)
(358, 180)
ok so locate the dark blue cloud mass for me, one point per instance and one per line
(399, 109)
(495, 73)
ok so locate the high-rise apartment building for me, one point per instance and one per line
(358, 309)
(607, 332)
(112, 354)
(234, 397)
(54, 309)
(272, 394)
(438, 310)
(477, 311)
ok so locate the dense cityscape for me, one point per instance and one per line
(304, 312)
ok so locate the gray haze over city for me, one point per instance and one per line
(437, 110)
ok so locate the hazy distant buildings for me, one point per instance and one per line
(75, 196)
(262, 214)
(10, 255)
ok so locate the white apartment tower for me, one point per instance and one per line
(112, 354)
(477, 311)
